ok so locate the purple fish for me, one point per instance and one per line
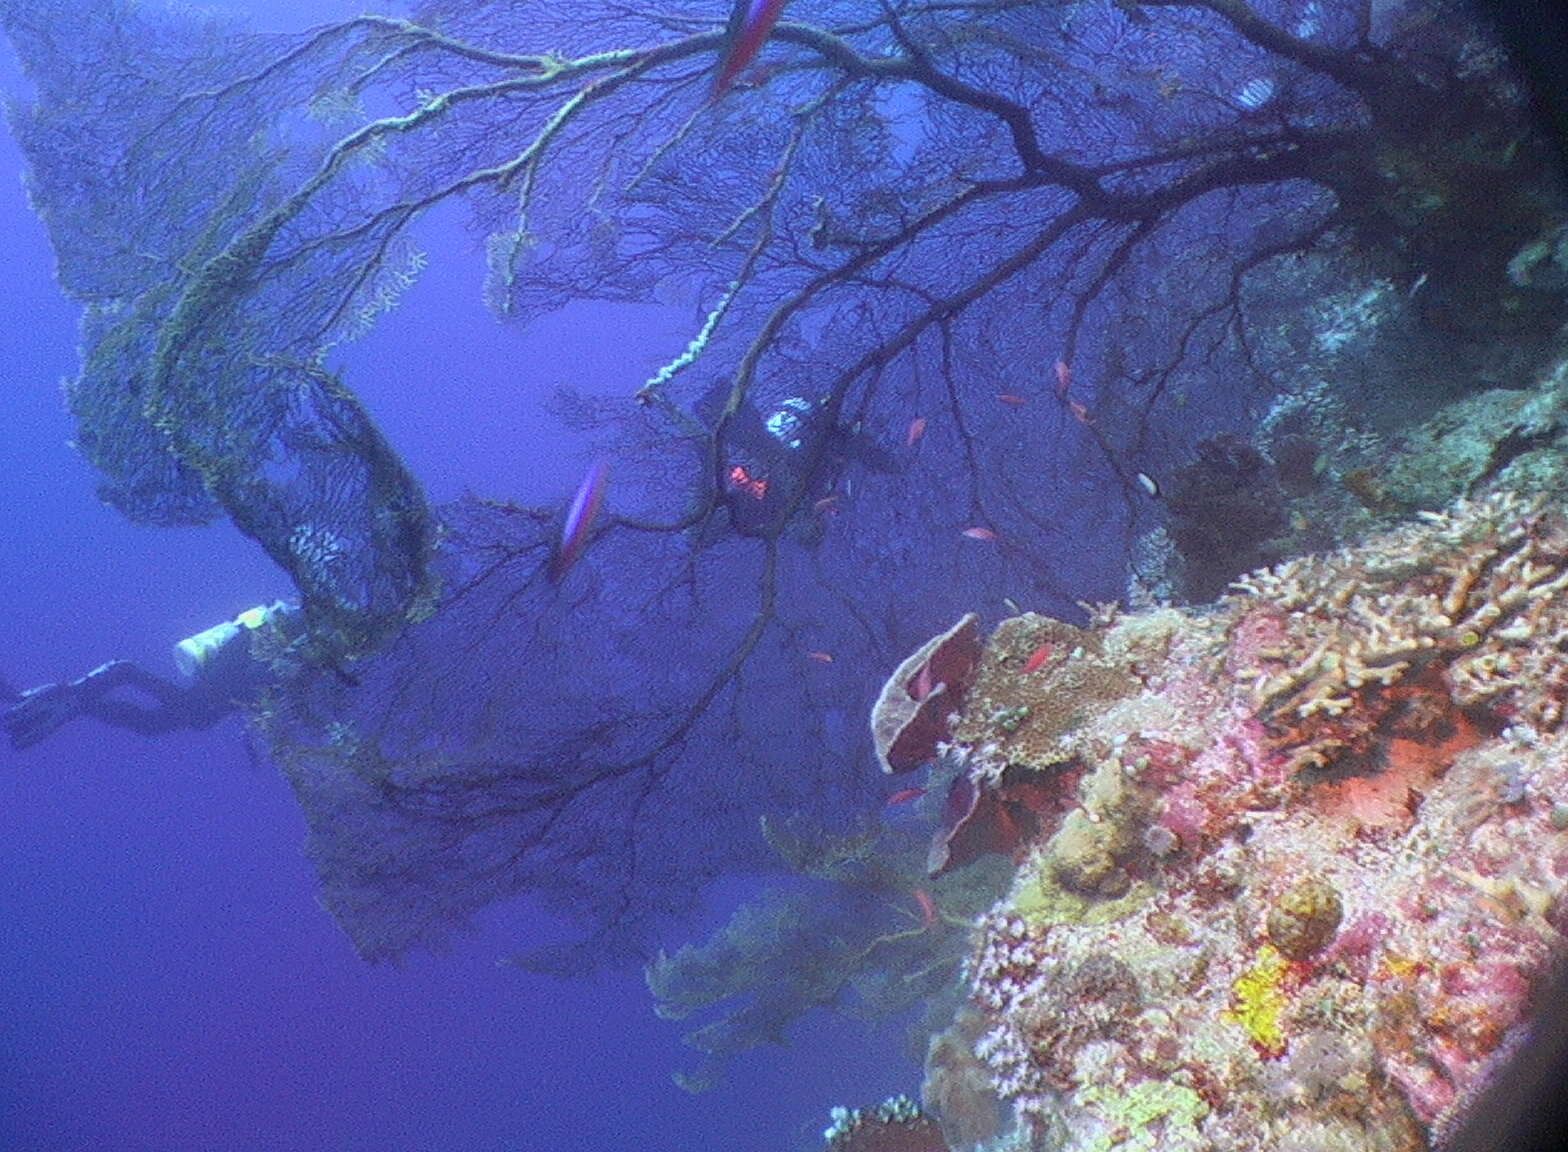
(579, 519)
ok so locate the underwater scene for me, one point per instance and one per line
(783, 575)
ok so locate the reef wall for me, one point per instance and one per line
(1288, 866)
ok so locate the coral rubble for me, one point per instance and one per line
(1306, 858)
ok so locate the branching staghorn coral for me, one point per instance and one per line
(1472, 602)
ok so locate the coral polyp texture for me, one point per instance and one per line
(1309, 859)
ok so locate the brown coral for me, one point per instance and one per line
(957, 1088)
(896, 1125)
(1305, 917)
(1084, 672)
(1471, 605)
(1105, 999)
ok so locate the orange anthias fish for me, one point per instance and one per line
(1013, 399)
(821, 657)
(904, 796)
(1064, 379)
(1037, 658)
(917, 429)
(927, 907)
(750, 23)
(979, 533)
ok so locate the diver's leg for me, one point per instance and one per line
(167, 711)
(40, 712)
(116, 674)
(164, 706)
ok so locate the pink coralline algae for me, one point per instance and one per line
(1310, 857)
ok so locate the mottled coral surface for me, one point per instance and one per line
(1310, 858)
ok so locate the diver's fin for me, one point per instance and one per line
(39, 713)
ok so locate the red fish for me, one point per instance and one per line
(825, 504)
(1037, 658)
(980, 533)
(917, 429)
(1013, 398)
(927, 907)
(821, 657)
(750, 23)
(1080, 413)
(922, 685)
(904, 796)
(579, 520)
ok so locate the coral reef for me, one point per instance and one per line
(1461, 609)
(1465, 442)
(910, 716)
(1225, 507)
(859, 929)
(1344, 481)
(895, 1125)
(1515, 438)
(957, 1090)
(1295, 861)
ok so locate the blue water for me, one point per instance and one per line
(168, 982)
(169, 978)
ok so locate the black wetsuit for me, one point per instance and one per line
(125, 695)
(765, 457)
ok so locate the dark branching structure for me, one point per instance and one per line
(909, 210)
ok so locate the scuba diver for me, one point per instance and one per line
(766, 458)
(218, 670)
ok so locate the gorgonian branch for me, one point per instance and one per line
(887, 232)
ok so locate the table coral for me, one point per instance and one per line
(1308, 860)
